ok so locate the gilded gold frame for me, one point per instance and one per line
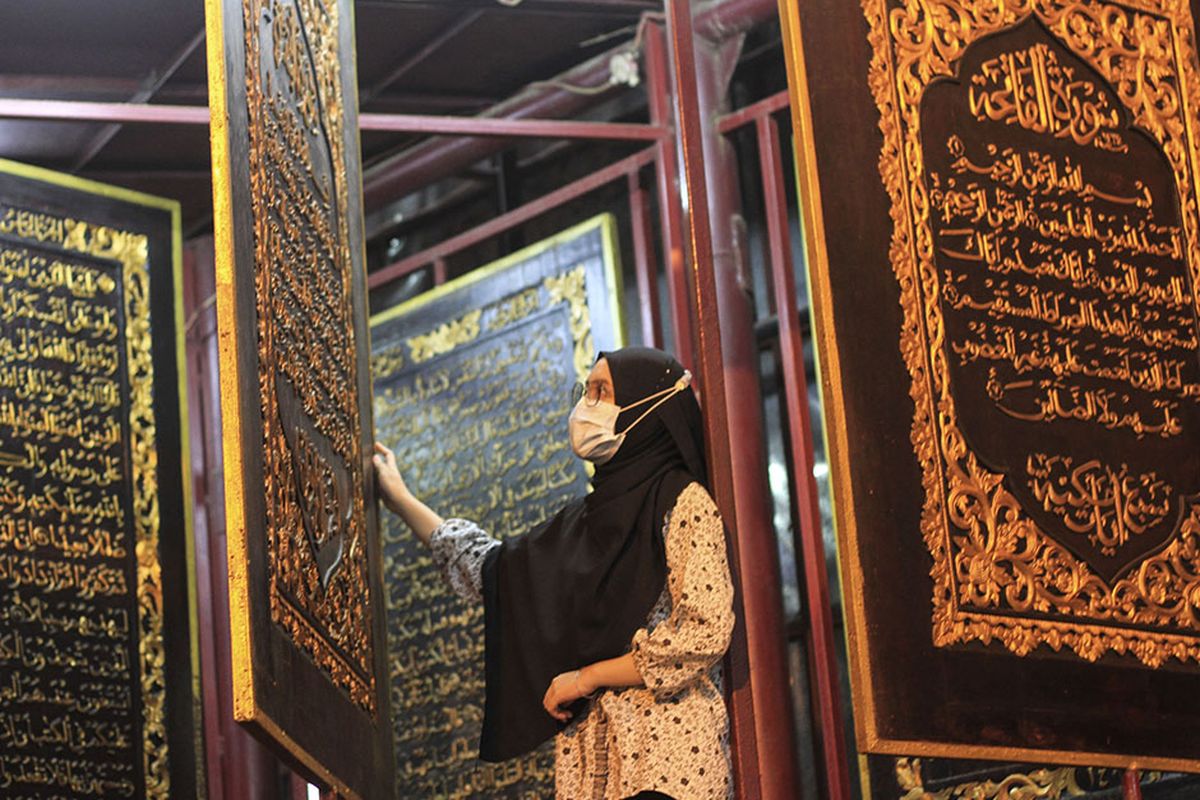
(130, 250)
(844, 487)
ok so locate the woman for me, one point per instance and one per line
(606, 625)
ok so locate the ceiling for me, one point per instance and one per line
(453, 57)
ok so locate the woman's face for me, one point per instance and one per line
(599, 380)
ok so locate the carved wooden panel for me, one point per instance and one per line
(1011, 360)
(304, 561)
(96, 640)
(472, 390)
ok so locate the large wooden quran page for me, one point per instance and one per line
(472, 385)
(1004, 261)
(96, 638)
(309, 663)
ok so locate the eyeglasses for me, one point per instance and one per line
(591, 392)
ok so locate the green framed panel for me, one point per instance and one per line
(472, 385)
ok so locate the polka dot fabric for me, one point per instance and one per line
(671, 735)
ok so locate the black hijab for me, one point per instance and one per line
(575, 589)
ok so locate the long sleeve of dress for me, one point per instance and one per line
(683, 647)
(458, 548)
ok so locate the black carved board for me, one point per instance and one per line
(1042, 426)
(309, 663)
(968, 695)
(896, 778)
(472, 390)
(96, 681)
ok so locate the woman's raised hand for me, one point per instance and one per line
(394, 492)
(396, 496)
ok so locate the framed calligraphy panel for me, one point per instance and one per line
(472, 389)
(97, 638)
(1010, 368)
(309, 663)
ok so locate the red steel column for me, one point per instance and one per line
(1131, 787)
(645, 265)
(728, 370)
(658, 93)
(822, 644)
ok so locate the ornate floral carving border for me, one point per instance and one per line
(301, 212)
(986, 552)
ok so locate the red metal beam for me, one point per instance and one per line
(517, 216)
(826, 694)
(533, 128)
(1131, 787)
(75, 111)
(763, 726)
(418, 166)
(405, 123)
(749, 743)
(753, 112)
(623, 8)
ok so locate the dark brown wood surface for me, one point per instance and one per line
(967, 699)
(309, 659)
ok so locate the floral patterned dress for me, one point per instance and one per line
(670, 735)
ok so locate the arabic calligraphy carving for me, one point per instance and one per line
(1031, 88)
(76, 337)
(1045, 245)
(1109, 506)
(476, 407)
(306, 341)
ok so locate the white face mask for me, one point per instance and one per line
(592, 427)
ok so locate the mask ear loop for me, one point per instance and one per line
(670, 392)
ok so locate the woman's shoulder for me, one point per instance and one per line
(694, 498)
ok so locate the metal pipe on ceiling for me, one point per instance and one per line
(437, 158)
(721, 19)
(434, 159)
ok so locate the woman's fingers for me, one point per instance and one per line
(384, 457)
(383, 452)
(553, 700)
(394, 489)
(550, 703)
